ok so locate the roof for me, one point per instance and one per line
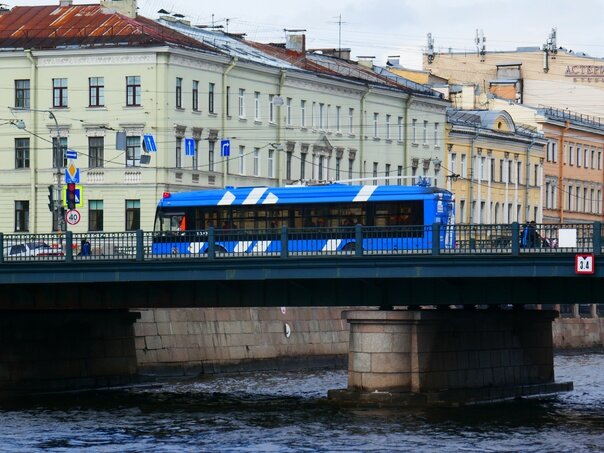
(51, 26)
(297, 194)
(498, 121)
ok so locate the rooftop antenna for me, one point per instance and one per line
(227, 24)
(480, 40)
(430, 48)
(549, 48)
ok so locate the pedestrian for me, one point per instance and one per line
(85, 248)
(529, 236)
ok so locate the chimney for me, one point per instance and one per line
(295, 40)
(65, 2)
(124, 7)
(366, 60)
(393, 60)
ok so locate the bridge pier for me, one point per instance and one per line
(452, 357)
(56, 350)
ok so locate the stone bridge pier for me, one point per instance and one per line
(55, 350)
(448, 357)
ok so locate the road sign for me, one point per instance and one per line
(225, 148)
(189, 147)
(73, 217)
(79, 198)
(71, 154)
(584, 263)
(149, 143)
(72, 174)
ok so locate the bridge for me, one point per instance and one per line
(486, 265)
(49, 287)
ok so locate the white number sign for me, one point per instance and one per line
(72, 216)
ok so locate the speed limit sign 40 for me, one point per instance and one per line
(72, 216)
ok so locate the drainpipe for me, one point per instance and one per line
(471, 194)
(362, 137)
(561, 170)
(526, 180)
(33, 170)
(283, 74)
(225, 73)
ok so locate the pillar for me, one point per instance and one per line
(448, 356)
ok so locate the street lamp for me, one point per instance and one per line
(57, 161)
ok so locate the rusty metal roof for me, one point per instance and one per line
(47, 27)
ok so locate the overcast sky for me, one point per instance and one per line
(396, 27)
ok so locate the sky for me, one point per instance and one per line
(383, 28)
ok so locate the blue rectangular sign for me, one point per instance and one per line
(225, 148)
(71, 154)
(149, 143)
(189, 147)
(75, 179)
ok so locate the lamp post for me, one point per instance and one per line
(57, 163)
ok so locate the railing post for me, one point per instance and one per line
(2, 244)
(358, 239)
(284, 243)
(597, 238)
(211, 244)
(515, 239)
(69, 246)
(436, 238)
(140, 245)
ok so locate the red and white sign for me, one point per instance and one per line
(584, 263)
(73, 217)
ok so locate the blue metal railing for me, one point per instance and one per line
(299, 242)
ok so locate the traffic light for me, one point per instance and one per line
(51, 198)
(71, 195)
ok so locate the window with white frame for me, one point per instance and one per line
(321, 116)
(178, 93)
(351, 121)
(414, 131)
(388, 127)
(463, 170)
(271, 108)
(211, 147)
(327, 108)
(195, 96)
(256, 105)
(425, 133)
(436, 132)
(241, 160)
(288, 111)
(302, 113)
(313, 115)
(338, 120)
(211, 88)
(256, 161)
(399, 126)
(241, 103)
(376, 117)
(271, 163)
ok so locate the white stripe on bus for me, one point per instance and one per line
(331, 245)
(364, 193)
(227, 199)
(271, 198)
(242, 246)
(255, 195)
(260, 246)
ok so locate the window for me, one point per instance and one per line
(271, 154)
(321, 115)
(593, 158)
(399, 172)
(321, 167)
(228, 101)
(302, 113)
(271, 108)
(578, 156)
(338, 166)
(338, 120)
(585, 157)
(96, 91)
(241, 160)
(288, 112)
(241, 103)
(95, 215)
(463, 171)
(59, 146)
(195, 157)
(387, 174)
(178, 92)
(211, 98)
(375, 172)
(211, 146)
(599, 160)
(425, 133)
(376, 118)
(256, 161)
(133, 91)
(133, 151)
(96, 157)
(327, 116)
(303, 166)
(22, 153)
(195, 96)
(133, 215)
(313, 115)
(22, 94)
(351, 121)
(59, 92)
(519, 172)
(178, 152)
(256, 106)
(288, 166)
(399, 125)
(21, 216)
(536, 174)
(570, 154)
(388, 137)
(436, 142)
(350, 168)
(413, 130)
(453, 162)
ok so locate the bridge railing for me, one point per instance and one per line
(510, 239)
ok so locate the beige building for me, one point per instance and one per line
(495, 167)
(289, 115)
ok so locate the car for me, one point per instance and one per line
(31, 249)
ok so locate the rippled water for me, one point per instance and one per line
(280, 412)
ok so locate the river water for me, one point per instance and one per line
(285, 412)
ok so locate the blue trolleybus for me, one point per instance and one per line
(250, 220)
